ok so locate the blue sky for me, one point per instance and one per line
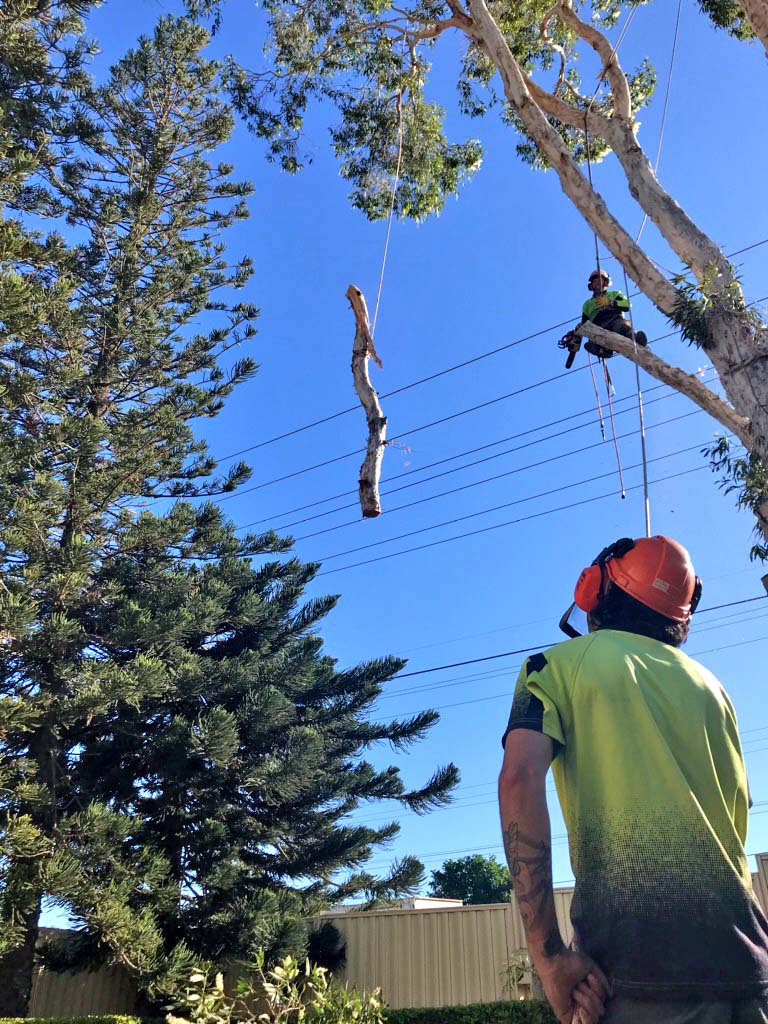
(508, 259)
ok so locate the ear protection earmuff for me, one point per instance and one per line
(590, 582)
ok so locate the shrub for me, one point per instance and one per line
(98, 1018)
(290, 993)
(512, 1012)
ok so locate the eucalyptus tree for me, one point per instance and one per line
(372, 59)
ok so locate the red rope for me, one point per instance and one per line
(613, 427)
(597, 396)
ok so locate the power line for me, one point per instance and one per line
(492, 479)
(499, 526)
(543, 646)
(501, 672)
(434, 376)
(450, 458)
(405, 433)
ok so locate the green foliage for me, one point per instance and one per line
(327, 947)
(111, 1018)
(474, 879)
(178, 757)
(518, 965)
(728, 14)
(371, 61)
(744, 475)
(289, 992)
(698, 306)
(511, 1012)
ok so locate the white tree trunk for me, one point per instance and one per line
(757, 14)
(740, 349)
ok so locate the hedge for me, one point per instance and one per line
(517, 1012)
(97, 1018)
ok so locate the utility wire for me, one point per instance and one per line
(405, 433)
(439, 373)
(540, 647)
(487, 529)
(671, 393)
(492, 479)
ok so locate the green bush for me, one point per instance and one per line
(97, 1018)
(511, 1012)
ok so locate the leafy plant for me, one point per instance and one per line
(287, 994)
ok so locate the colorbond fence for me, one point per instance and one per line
(431, 957)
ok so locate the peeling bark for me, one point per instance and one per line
(686, 383)
(757, 15)
(486, 33)
(739, 351)
(363, 349)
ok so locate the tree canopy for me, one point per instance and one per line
(372, 60)
(473, 879)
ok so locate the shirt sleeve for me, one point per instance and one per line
(540, 701)
(620, 300)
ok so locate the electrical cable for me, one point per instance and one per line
(440, 373)
(499, 526)
(405, 433)
(493, 479)
(671, 393)
(540, 647)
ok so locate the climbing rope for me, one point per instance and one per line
(390, 218)
(600, 417)
(609, 392)
(675, 35)
(640, 409)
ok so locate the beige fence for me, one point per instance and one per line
(443, 957)
(108, 990)
(425, 957)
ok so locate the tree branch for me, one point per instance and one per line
(486, 33)
(622, 100)
(686, 383)
(363, 348)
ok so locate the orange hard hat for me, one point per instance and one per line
(656, 571)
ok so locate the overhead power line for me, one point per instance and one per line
(492, 479)
(439, 373)
(671, 393)
(540, 647)
(406, 433)
(509, 522)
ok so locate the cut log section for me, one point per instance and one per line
(362, 350)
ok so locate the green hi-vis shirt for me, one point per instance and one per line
(592, 306)
(651, 781)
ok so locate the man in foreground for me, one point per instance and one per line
(652, 784)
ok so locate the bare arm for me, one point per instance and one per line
(572, 982)
(527, 838)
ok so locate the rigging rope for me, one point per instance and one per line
(609, 388)
(597, 396)
(391, 215)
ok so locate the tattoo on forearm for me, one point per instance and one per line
(530, 868)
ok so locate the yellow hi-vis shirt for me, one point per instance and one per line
(653, 789)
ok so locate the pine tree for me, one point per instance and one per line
(177, 755)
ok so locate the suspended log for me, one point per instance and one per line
(362, 350)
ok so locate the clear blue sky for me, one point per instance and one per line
(509, 258)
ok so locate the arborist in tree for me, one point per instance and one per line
(606, 309)
(650, 775)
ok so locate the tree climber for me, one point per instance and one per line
(651, 781)
(606, 309)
